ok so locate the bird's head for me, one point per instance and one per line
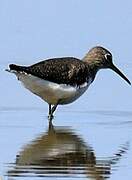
(101, 58)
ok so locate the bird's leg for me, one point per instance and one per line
(54, 108)
(50, 116)
(51, 111)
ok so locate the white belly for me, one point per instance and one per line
(51, 92)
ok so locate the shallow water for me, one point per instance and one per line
(84, 142)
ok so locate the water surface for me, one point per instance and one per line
(85, 141)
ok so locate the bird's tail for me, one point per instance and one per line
(16, 68)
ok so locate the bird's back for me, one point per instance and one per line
(67, 70)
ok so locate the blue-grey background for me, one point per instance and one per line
(38, 29)
(34, 30)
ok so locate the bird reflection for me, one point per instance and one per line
(61, 153)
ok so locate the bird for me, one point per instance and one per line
(60, 81)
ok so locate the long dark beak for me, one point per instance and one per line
(114, 68)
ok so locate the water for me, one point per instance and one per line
(84, 142)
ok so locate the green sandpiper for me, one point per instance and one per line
(60, 81)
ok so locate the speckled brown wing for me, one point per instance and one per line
(66, 70)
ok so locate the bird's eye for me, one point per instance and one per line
(108, 56)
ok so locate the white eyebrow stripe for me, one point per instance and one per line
(107, 54)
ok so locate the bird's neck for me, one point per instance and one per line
(93, 65)
(93, 69)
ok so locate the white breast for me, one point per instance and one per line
(52, 92)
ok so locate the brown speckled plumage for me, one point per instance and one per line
(67, 70)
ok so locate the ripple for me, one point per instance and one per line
(117, 113)
(6, 109)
